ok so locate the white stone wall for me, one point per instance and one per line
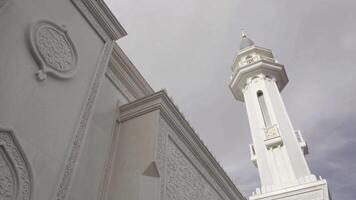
(159, 156)
(45, 114)
(183, 179)
(62, 82)
(53, 57)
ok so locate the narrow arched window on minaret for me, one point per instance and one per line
(277, 149)
(264, 110)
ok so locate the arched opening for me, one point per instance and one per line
(264, 110)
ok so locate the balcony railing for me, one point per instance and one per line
(253, 155)
(303, 145)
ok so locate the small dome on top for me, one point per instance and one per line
(245, 41)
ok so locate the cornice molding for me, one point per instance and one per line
(128, 74)
(270, 69)
(99, 15)
(119, 85)
(254, 47)
(160, 101)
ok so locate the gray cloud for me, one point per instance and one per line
(188, 46)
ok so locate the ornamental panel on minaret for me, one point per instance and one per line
(277, 149)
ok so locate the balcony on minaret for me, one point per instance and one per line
(251, 55)
(252, 61)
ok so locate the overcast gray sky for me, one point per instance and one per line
(188, 46)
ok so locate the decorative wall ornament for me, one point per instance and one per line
(87, 112)
(183, 179)
(161, 154)
(183, 154)
(15, 177)
(53, 49)
(2, 2)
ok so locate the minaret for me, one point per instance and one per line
(278, 149)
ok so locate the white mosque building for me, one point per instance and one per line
(79, 122)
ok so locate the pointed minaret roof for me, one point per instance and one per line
(245, 41)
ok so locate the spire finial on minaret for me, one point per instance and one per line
(245, 41)
(243, 35)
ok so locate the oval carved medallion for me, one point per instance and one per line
(53, 49)
(15, 177)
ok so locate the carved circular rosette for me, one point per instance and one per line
(53, 49)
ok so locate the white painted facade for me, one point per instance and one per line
(79, 122)
(278, 149)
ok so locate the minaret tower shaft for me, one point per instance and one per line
(278, 149)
